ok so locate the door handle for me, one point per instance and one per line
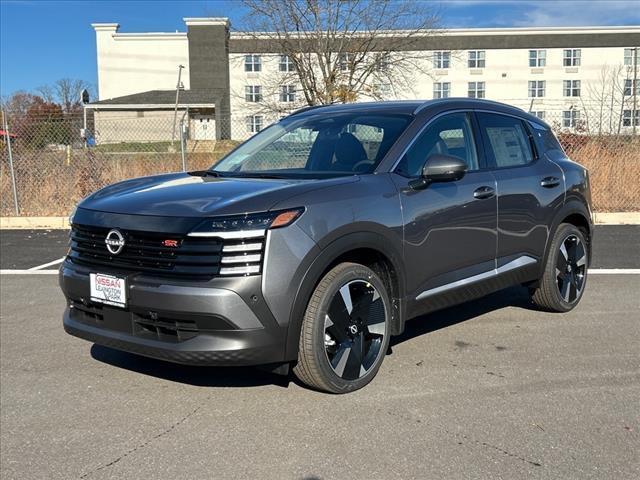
(550, 182)
(484, 192)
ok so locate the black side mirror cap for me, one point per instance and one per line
(440, 168)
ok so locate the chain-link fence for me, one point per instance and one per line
(49, 162)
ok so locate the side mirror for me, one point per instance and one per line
(443, 168)
(440, 168)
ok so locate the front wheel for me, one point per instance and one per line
(345, 330)
(565, 275)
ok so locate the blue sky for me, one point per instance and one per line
(42, 41)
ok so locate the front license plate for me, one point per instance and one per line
(108, 289)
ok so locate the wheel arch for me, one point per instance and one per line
(368, 248)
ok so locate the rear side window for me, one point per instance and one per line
(547, 141)
(506, 140)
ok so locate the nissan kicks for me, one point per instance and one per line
(313, 242)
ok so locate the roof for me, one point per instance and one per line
(159, 98)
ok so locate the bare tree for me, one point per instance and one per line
(343, 49)
(67, 93)
(605, 100)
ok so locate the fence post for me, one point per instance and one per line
(182, 149)
(13, 173)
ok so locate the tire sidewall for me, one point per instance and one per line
(562, 233)
(344, 276)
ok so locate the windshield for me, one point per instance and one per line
(316, 146)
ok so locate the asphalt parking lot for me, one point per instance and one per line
(489, 389)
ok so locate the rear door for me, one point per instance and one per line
(530, 189)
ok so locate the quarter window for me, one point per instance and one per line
(537, 58)
(477, 59)
(507, 140)
(571, 57)
(252, 63)
(441, 59)
(571, 88)
(536, 88)
(441, 89)
(448, 135)
(476, 90)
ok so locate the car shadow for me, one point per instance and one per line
(202, 376)
(511, 297)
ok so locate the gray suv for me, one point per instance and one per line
(312, 243)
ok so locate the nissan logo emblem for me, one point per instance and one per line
(114, 242)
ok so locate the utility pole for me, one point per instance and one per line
(175, 110)
(634, 112)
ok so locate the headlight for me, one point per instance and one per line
(72, 214)
(243, 238)
(253, 225)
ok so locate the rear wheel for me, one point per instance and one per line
(345, 330)
(565, 274)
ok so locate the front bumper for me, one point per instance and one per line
(220, 322)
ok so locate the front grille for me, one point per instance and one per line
(147, 252)
(183, 256)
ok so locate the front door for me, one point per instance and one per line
(450, 228)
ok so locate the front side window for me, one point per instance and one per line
(315, 145)
(571, 88)
(477, 59)
(287, 93)
(536, 88)
(506, 140)
(254, 123)
(441, 59)
(571, 57)
(252, 63)
(570, 118)
(253, 93)
(447, 135)
(476, 90)
(537, 58)
(441, 89)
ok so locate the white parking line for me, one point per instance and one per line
(592, 271)
(40, 267)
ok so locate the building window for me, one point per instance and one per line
(571, 88)
(441, 59)
(253, 93)
(252, 63)
(570, 118)
(383, 62)
(537, 58)
(571, 57)
(288, 93)
(476, 90)
(345, 60)
(441, 89)
(628, 56)
(536, 88)
(254, 123)
(538, 113)
(627, 87)
(626, 118)
(477, 59)
(383, 90)
(286, 65)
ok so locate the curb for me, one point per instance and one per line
(62, 223)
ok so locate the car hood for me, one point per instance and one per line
(194, 195)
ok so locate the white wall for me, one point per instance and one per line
(133, 63)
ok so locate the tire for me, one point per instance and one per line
(345, 330)
(565, 273)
